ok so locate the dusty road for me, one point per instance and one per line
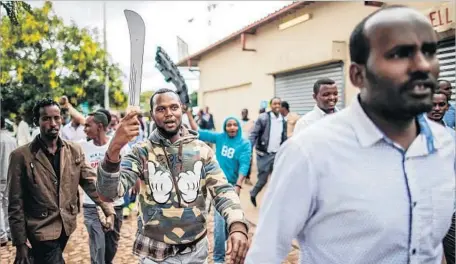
(77, 251)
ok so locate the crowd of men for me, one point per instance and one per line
(372, 183)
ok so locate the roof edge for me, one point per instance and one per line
(186, 62)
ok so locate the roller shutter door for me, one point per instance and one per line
(297, 87)
(446, 53)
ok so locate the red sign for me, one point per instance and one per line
(442, 17)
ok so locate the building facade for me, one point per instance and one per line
(287, 51)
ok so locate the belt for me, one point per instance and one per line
(181, 249)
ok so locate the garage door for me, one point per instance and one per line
(297, 87)
(446, 53)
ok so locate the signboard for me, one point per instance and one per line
(442, 17)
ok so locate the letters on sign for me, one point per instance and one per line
(442, 17)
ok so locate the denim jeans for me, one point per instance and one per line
(199, 256)
(103, 245)
(220, 236)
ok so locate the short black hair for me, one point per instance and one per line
(446, 81)
(321, 82)
(285, 105)
(40, 104)
(160, 91)
(273, 98)
(107, 113)
(3, 122)
(359, 44)
(438, 91)
(100, 118)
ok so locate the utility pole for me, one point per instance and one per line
(105, 44)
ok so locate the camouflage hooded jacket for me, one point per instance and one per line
(175, 179)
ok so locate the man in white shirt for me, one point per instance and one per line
(103, 245)
(269, 132)
(325, 95)
(73, 130)
(7, 145)
(375, 182)
(23, 132)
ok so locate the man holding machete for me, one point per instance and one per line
(176, 172)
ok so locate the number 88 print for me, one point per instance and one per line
(228, 152)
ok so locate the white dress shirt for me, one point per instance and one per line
(275, 136)
(71, 133)
(23, 133)
(352, 196)
(310, 118)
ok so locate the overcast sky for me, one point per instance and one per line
(165, 20)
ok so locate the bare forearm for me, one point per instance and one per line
(192, 122)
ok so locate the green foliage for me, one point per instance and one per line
(42, 57)
(145, 101)
(194, 98)
(13, 8)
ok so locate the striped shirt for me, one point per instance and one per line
(352, 196)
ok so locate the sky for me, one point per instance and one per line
(164, 20)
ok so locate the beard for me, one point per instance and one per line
(392, 101)
(169, 133)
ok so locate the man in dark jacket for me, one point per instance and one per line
(269, 133)
(43, 180)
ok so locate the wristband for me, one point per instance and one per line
(237, 185)
(239, 231)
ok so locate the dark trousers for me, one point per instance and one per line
(250, 170)
(49, 252)
(103, 246)
(265, 164)
(448, 243)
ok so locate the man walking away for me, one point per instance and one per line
(247, 126)
(450, 116)
(374, 183)
(176, 171)
(290, 117)
(7, 145)
(326, 96)
(233, 154)
(269, 133)
(43, 180)
(103, 243)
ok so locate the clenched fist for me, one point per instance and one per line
(128, 129)
(189, 182)
(161, 184)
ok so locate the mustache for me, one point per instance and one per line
(419, 79)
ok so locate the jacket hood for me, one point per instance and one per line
(187, 136)
(239, 133)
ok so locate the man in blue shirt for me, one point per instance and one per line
(450, 116)
(440, 108)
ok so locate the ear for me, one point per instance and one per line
(314, 96)
(356, 74)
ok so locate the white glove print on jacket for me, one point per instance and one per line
(189, 182)
(161, 184)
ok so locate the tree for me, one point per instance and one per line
(13, 8)
(42, 57)
(194, 98)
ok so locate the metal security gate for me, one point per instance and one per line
(297, 87)
(446, 53)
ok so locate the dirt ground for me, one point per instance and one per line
(77, 250)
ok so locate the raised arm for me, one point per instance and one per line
(204, 135)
